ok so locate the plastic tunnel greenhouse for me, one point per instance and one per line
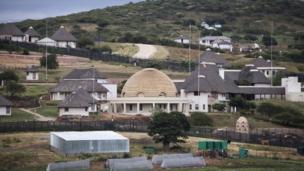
(158, 159)
(183, 162)
(132, 164)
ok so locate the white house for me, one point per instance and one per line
(5, 107)
(182, 40)
(221, 42)
(146, 91)
(64, 39)
(293, 89)
(47, 42)
(32, 73)
(11, 32)
(78, 103)
(31, 35)
(248, 47)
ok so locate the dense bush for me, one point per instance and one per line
(200, 119)
(219, 107)
(268, 41)
(241, 103)
(52, 62)
(85, 42)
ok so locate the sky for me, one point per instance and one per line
(18, 10)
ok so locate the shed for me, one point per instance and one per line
(89, 142)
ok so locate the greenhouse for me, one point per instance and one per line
(131, 164)
(158, 159)
(183, 162)
(89, 142)
(72, 165)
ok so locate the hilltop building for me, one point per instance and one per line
(11, 32)
(64, 39)
(182, 40)
(146, 91)
(32, 73)
(31, 35)
(220, 42)
(5, 107)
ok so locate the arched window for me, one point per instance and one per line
(163, 94)
(140, 94)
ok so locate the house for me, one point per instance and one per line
(146, 91)
(11, 32)
(32, 73)
(294, 89)
(5, 107)
(248, 47)
(47, 42)
(64, 39)
(182, 40)
(214, 58)
(266, 67)
(31, 35)
(78, 103)
(221, 42)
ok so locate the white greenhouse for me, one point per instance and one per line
(89, 142)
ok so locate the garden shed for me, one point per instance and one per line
(89, 142)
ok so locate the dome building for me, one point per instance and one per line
(147, 90)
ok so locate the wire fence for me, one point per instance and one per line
(99, 55)
(266, 136)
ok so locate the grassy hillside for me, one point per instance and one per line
(159, 19)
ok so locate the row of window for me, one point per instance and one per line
(196, 107)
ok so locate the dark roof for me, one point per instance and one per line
(74, 85)
(179, 85)
(252, 77)
(262, 90)
(10, 29)
(5, 102)
(209, 56)
(63, 35)
(233, 75)
(32, 69)
(261, 62)
(84, 74)
(209, 81)
(78, 99)
(32, 32)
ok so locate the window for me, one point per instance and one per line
(163, 94)
(86, 109)
(196, 107)
(8, 110)
(204, 107)
(196, 93)
(130, 107)
(66, 109)
(267, 72)
(190, 106)
(140, 107)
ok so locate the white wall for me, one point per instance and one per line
(32, 76)
(58, 96)
(112, 90)
(73, 112)
(17, 38)
(66, 44)
(291, 84)
(3, 111)
(200, 101)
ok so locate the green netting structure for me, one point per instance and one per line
(158, 159)
(194, 162)
(212, 145)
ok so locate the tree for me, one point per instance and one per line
(9, 75)
(241, 103)
(52, 62)
(85, 42)
(13, 88)
(267, 41)
(219, 107)
(200, 119)
(168, 128)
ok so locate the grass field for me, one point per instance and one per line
(17, 115)
(36, 90)
(30, 152)
(48, 109)
(124, 49)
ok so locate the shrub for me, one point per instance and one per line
(25, 52)
(219, 107)
(200, 119)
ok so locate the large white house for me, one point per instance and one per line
(5, 107)
(78, 103)
(11, 32)
(31, 35)
(220, 42)
(146, 91)
(64, 38)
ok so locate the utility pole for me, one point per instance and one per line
(94, 87)
(189, 50)
(46, 51)
(199, 65)
(271, 70)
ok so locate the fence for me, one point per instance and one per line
(98, 55)
(276, 137)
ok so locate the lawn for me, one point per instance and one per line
(36, 90)
(17, 115)
(48, 108)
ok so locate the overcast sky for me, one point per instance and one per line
(17, 10)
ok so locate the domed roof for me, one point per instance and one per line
(242, 125)
(149, 82)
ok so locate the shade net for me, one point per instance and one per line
(158, 159)
(183, 162)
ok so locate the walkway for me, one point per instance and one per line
(145, 51)
(38, 116)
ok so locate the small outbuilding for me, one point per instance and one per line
(32, 73)
(89, 142)
(47, 42)
(31, 35)
(5, 107)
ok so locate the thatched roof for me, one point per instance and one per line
(10, 29)
(63, 35)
